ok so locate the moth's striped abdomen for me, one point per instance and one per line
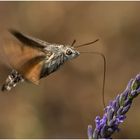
(12, 80)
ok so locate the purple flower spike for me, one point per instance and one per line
(115, 112)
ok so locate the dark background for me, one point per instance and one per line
(68, 100)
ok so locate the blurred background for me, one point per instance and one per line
(68, 100)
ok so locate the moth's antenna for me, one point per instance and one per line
(89, 43)
(74, 41)
(104, 74)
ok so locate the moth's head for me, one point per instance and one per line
(69, 52)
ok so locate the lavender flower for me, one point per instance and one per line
(115, 112)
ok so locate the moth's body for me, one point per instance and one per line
(33, 59)
(38, 60)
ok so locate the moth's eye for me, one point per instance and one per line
(68, 52)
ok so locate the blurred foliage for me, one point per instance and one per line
(69, 99)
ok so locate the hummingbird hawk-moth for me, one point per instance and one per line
(34, 59)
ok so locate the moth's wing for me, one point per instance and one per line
(32, 69)
(25, 56)
(17, 53)
(28, 61)
(29, 41)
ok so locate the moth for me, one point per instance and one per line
(34, 59)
